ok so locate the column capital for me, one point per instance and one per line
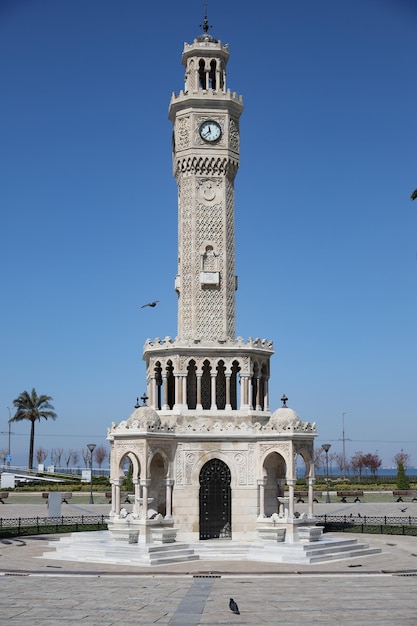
(145, 482)
(169, 482)
(262, 482)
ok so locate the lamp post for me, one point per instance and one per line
(326, 447)
(91, 447)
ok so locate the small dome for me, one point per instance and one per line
(284, 418)
(205, 37)
(144, 417)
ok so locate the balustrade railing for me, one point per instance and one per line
(19, 526)
(385, 525)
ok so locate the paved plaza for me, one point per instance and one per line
(378, 589)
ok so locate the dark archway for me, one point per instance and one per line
(215, 501)
(206, 385)
(192, 385)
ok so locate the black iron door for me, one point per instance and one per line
(215, 501)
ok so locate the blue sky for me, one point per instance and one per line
(326, 233)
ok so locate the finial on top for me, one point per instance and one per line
(205, 26)
(284, 400)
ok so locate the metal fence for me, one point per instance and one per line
(19, 526)
(404, 525)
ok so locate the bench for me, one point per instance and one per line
(124, 495)
(3, 496)
(402, 493)
(350, 494)
(300, 495)
(65, 496)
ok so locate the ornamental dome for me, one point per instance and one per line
(144, 417)
(284, 418)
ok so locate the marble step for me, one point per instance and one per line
(315, 552)
(96, 548)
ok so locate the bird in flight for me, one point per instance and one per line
(414, 194)
(151, 304)
(233, 607)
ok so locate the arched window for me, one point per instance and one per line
(234, 387)
(212, 74)
(192, 385)
(221, 386)
(206, 386)
(202, 74)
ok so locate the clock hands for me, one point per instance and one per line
(210, 130)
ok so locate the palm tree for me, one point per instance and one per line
(30, 406)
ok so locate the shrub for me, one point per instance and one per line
(403, 481)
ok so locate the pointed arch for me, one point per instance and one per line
(215, 500)
(206, 385)
(191, 385)
(158, 469)
(221, 385)
(235, 386)
(170, 382)
(274, 471)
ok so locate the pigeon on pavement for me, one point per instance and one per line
(233, 607)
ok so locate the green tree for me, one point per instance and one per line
(31, 407)
(402, 478)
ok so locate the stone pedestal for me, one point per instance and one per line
(124, 530)
(133, 530)
(290, 530)
(271, 533)
(310, 533)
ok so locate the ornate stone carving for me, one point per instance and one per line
(190, 461)
(179, 462)
(208, 190)
(183, 133)
(251, 463)
(241, 464)
(233, 134)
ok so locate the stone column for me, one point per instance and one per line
(261, 485)
(199, 406)
(213, 406)
(184, 391)
(116, 498)
(266, 395)
(136, 490)
(228, 406)
(152, 392)
(169, 482)
(165, 405)
(291, 485)
(311, 482)
(145, 482)
(258, 394)
(177, 391)
(244, 388)
(113, 498)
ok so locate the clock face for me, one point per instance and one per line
(210, 131)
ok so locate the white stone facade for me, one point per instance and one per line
(207, 455)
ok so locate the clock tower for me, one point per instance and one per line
(205, 118)
(206, 453)
(206, 367)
